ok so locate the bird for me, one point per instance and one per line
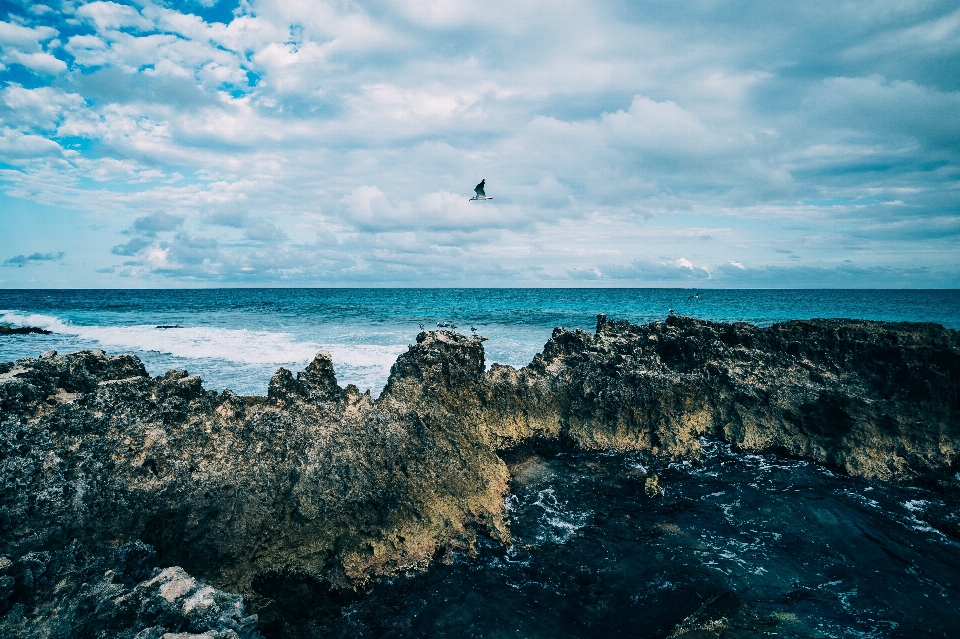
(481, 194)
(473, 328)
(673, 312)
(421, 327)
(694, 297)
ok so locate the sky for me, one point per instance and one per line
(706, 143)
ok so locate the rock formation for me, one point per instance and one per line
(322, 485)
(7, 329)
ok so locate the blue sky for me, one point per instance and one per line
(706, 143)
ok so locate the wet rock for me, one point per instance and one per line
(651, 486)
(725, 616)
(7, 329)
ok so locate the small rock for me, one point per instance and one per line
(652, 486)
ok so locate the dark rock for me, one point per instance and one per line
(7, 329)
(725, 616)
(116, 594)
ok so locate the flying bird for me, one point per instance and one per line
(481, 195)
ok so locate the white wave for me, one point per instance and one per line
(365, 355)
(916, 505)
(557, 524)
(242, 346)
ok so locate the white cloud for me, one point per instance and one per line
(41, 108)
(40, 62)
(16, 145)
(24, 45)
(25, 39)
(110, 15)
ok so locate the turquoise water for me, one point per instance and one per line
(237, 338)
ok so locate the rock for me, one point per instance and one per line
(128, 600)
(651, 486)
(323, 486)
(725, 616)
(7, 329)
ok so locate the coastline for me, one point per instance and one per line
(324, 481)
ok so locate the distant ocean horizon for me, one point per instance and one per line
(237, 337)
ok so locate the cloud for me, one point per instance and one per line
(369, 209)
(264, 231)
(110, 15)
(645, 272)
(257, 229)
(23, 260)
(42, 108)
(24, 45)
(15, 145)
(340, 142)
(134, 246)
(154, 223)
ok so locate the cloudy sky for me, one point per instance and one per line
(707, 143)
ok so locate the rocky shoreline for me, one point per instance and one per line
(111, 478)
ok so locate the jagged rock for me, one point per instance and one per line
(324, 485)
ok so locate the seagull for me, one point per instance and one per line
(473, 328)
(694, 297)
(673, 312)
(480, 193)
(421, 327)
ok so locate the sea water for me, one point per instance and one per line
(237, 338)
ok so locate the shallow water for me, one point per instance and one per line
(237, 338)
(815, 553)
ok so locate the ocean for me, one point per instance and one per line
(237, 338)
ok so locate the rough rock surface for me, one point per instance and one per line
(322, 486)
(69, 593)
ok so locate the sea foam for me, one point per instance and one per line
(366, 365)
